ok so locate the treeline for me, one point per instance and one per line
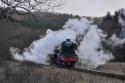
(110, 25)
(47, 20)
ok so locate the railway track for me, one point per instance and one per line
(100, 73)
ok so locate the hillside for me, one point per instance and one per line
(16, 34)
(25, 30)
(22, 32)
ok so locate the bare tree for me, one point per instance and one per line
(22, 7)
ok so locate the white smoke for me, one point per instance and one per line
(41, 48)
(90, 50)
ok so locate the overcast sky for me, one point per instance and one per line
(91, 7)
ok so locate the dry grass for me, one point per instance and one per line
(32, 73)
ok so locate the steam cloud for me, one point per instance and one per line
(90, 50)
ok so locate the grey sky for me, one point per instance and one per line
(91, 7)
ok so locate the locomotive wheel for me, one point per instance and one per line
(72, 64)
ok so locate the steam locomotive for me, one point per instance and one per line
(63, 59)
